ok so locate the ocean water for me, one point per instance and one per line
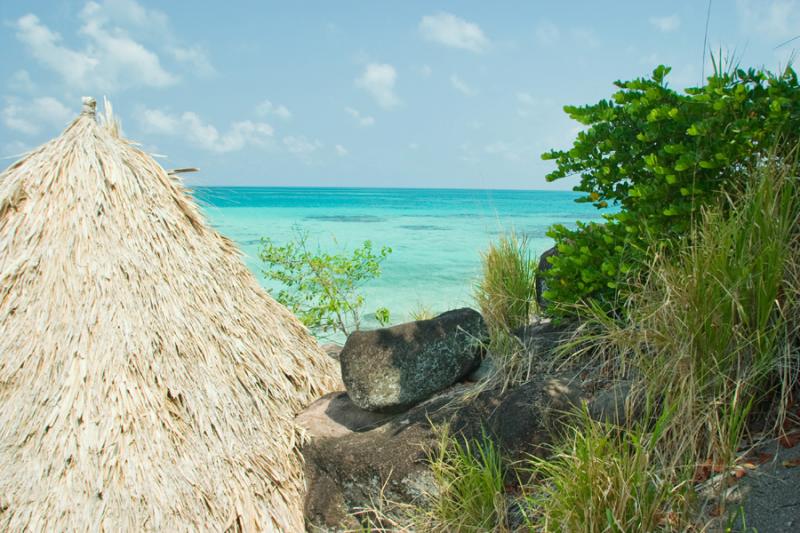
(436, 235)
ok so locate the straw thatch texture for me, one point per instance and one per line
(147, 382)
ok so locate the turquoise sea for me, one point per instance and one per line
(436, 235)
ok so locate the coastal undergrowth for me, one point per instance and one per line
(711, 331)
(506, 290)
(324, 290)
(709, 335)
(604, 478)
(469, 477)
(506, 296)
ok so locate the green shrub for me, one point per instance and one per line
(322, 289)
(382, 316)
(506, 292)
(658, 155)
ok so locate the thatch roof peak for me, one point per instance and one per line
(89, 106)
(147, 382)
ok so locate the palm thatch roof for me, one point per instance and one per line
(147, 382)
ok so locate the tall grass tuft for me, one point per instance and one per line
(712, 331)
(603, 478)
(421, 312)
(718, 318)
(469, 480)
(506, 291)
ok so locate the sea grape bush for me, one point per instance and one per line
(658, 155)
(323, 289)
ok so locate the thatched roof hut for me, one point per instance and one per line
(147, 382)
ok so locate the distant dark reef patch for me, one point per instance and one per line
(346, 218)
(424, 227)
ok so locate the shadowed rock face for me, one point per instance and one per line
(351, 469)
(541, 283)
(391, 369)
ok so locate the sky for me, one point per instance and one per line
(358, 93)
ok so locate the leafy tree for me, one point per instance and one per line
(322, 289)
(658, 155)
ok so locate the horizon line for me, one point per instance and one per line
(196, 186)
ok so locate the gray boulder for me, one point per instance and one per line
(332, 349)
(541, 284)
(529, 416)
(391, 369)
(387, 465)
(618, 404)
(384, 465)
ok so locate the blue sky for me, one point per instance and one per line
(346, 93)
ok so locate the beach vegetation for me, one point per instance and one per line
(710, 333)
(421, 312)
(601, 478)
(506, 296)
(506, 290)
(382, 316)
(651, 157)
(324, 290)
(469, 478)
(707, 341)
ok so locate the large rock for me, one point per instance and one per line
(528, 417)
(388, 464)
(359, 470)
(541, 339)
(541, 283)
(332, 349)
(392, 369)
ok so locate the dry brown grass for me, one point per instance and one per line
(147, 382)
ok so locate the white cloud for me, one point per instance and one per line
(158, 121)
(29, 118)
(195, 58)
(266, 107)
(121, 58)
(666, 24)
(301, 146)
(468, 153)
(190, 126)
(110, 60)
(425, 71)
(547, 33)
(413, 146)
(461, 86)
(378, 79)
(341, 151)
(21, 81)
(112, 53)
(776, 19)
(155, 26)
(450, 30)
(129, 13)
(45, 46)
(361, 120)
